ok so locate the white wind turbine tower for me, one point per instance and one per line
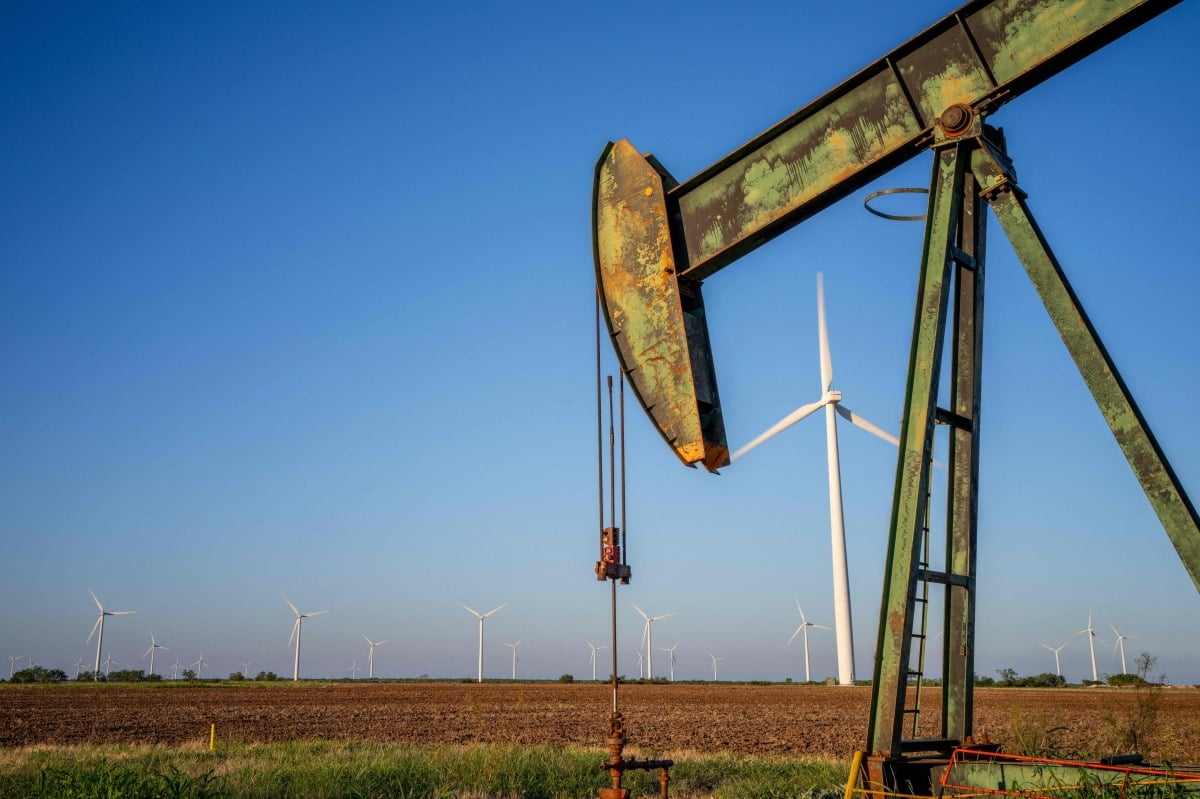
(108, 664)
(175, 669)
(1121, 639)
(671, 651)
(199, 664)
(481, 617)
(641, 663)
(1056, 650)
(153, 646)
(99, 625)
(592, 659)
(354, 669)
(246, 667)
(300, 617)
(831, 401)
(804, 625)
(646, 639)
(714, 660)
(513, 647)
(12, 664)
(371, 656)
(1092, 637)
(78, 667)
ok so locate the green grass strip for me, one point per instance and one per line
(366, 770)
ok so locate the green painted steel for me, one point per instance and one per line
(962, 512)
(1056, 779)
(983, 55)
(1150, 465)
(912, 471)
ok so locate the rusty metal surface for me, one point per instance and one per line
(982, 55)
(656, 321)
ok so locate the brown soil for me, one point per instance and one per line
(752, 719)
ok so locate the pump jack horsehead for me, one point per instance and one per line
(656, 239)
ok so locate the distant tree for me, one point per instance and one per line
(188, 674)
(36, 673)
(984, 681)
(1008, 677)
(567, 678)
(266, 676)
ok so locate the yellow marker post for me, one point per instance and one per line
(855, 766)
(212, 737)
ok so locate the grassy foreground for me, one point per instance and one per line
(365, 770)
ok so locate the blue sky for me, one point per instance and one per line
(298, 300)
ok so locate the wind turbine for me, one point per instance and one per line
(199, 664)
(592, 659)
(246, 667)
(108, 664)
(175, 670)
(153, 646)
(646, 639)
(481, 617)
(804, 625)
(641, 663)
(672, 653)
(513, 647)
(99, 625)
(354, 670)
(714, 660)
(1091, 634)
(1056, 650)
(296, 634)
(12, 664)
(371, 656)
(78, 667)
(1121, 645)
(831, 401)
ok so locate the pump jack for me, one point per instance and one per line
(656, 239)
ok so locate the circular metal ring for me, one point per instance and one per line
(894, 217)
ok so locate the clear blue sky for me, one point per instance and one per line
(297, 298)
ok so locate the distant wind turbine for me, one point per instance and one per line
(804, 625)
(108, 664)
(592, 658)
(12, 664)
(300, 617)
(481, 617)
(831, 401)
(714, 661)
(1120, 644)
(246, 667)
(371, 656)
(354, 670)
(1091, 634)
(671, 651)
(513, 647)
(175, 669)
(1056, 650)
(646, 639)
(78, 667)
(199, 664)
(153, 646)
(641, 663)
(99, 625)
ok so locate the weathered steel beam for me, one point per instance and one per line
(983, 55)
(1150, 465)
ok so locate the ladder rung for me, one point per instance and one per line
(929, 745)
(943, 416)
(962, 257)
(944, 578)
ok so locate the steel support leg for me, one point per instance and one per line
(916, 440)
(1158, 480)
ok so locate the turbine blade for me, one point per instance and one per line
(368, 640)
(640, 611)
(295, 627)
(148, 651)
(471, 610)
(783, 424)
(121, 612)
(493, 610)
(793, 638)
(95, 626)
(823, 337)
(295, 609)
(820, 627)
(96, 600)
(380, 643)
(803, 618)
(663, 616)
(856, 420)
(316, 613)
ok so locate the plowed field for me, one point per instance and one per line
(774, 719)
